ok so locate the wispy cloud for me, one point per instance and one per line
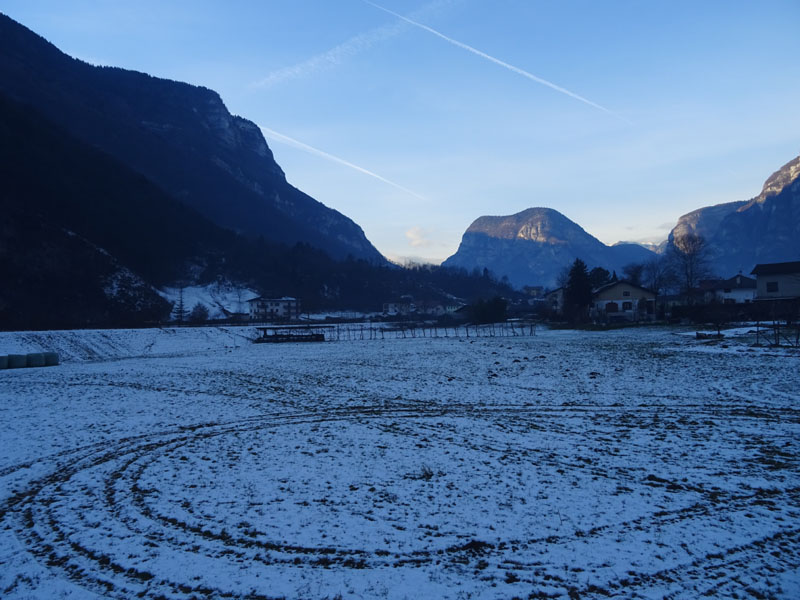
(279, 137)
(418, 237)
(497, 61)
(347, 49)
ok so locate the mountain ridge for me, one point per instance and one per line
(743, 233)
(180, 136)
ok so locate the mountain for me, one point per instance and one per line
(180, 137)
(84, 239)
(534, 246)
(741, 234)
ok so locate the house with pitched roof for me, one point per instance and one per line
(777, 281)
(736, 290)
(623, 301)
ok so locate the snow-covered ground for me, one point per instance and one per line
(184, 463)
(217, 297)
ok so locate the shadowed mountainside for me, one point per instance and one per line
(181, 137)
(761, 230)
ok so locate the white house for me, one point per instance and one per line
(274, 309)
(555, 300)
(736, 290)
(777, 281)
(623, 301)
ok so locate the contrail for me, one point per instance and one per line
(347, 49)
(497, 61)
(332, 57)
(310, 149)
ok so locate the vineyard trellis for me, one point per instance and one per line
(386, 331)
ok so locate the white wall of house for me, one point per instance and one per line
(736, 296)
(623, 300)
(778, 286)
(266, 309)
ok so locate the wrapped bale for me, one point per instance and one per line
(50, 359)
(35, 359)
(17, 361)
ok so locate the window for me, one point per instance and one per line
(772, 286)
(626, 293)
(627, 306)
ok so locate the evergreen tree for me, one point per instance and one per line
(577, 293)
(180, 308)
(599, 277)
(199, 313)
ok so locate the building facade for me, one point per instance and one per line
(776, 281)
(623, 301)
(736, 290)
(274, 309)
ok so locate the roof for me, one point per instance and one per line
(608, 286)
(737, 282)
(783, 268)
(263, 299)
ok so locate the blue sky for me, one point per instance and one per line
(681, 104)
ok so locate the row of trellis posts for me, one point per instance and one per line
(777, 332)
(369, 331)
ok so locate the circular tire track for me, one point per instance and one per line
(35, 513)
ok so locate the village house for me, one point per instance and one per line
(555, 300)
(274, 309)
(394, 309)
(623, 301)
(736, 290)
(777, 281)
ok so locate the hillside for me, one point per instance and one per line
(744, 233)
(179, 136)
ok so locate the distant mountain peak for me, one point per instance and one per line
(531, 247)
(539, 224)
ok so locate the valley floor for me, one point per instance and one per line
(191, 463)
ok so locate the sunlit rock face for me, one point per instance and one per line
(534, 246)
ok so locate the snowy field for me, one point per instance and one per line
(191, 463)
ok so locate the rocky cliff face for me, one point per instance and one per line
(742, 234)
(532, 247)
(180, 137)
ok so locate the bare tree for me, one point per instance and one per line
(633, 272)
(658, 274)
(689, 256)
(563, 276)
